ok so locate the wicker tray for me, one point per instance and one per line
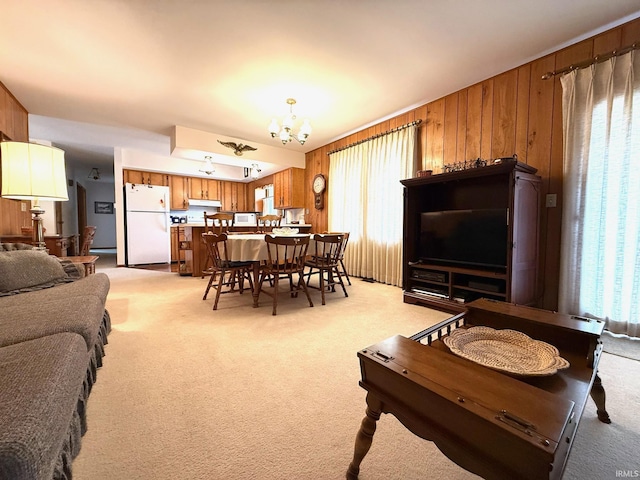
(507, 351)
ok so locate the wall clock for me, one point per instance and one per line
(319, 186)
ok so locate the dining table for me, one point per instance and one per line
(241, 247)
(251, 247)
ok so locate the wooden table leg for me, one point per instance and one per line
(364, 438)
(599, 397)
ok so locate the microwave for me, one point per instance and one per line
(245, 219)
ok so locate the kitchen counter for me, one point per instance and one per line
(201, 224)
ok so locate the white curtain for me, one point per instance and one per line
(600, 261)
(366, 200)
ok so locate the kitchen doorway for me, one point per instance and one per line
(81, 203)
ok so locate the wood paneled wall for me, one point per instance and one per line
(14, 123)
(514, 112)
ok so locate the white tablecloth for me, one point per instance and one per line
(243, 247)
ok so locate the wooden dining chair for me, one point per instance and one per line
(342, 268)
(218, 222)
(227, 272)
(87, 239)
(326, 261)
(286, 256)
(267, 222)
(215, 223)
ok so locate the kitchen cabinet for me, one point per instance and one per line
(213, 189)
(234, 196)
(179, 187)
(288, 188)
(204, 188)
(146, 178)
(177, 236)
(196, 187)
(174, 244)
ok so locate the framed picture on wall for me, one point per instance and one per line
(103, 207)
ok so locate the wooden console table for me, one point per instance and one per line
(57, 245)
(492, 424)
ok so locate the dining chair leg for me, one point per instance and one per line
(240, 276)
(219, 289)
(257, 282)
(304, 287)
(248, 274)
(256, 296)
(292, 291)
(344, 270)
(276, 277)
(206, 292)
(322, 285)
(341, 283)
(309, 274)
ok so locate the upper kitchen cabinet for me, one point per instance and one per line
(214, 190)
(145, 178)
(234, 196)
(204, 188)
(179, 187)
(288, 188)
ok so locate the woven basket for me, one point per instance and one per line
(507, 351)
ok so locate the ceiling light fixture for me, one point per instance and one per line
(286, 133)
(94, 174)
(208, 166)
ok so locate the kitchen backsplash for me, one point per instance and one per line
(194, 214)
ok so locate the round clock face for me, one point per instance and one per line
(319, 184)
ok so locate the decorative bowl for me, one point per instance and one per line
(507, 351)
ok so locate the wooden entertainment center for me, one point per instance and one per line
(509, 186)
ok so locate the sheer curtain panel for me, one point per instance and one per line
(367, 201)
(600, 261)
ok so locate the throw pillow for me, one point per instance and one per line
(27, 268)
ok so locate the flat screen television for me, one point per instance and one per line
(475, 238)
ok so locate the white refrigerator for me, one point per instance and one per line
(148, 229)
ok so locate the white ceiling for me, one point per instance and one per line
(99, 74)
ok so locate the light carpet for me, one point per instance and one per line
(191, 393)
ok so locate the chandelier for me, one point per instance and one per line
(286, 133)
(208, 166)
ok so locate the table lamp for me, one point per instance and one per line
(33, 172)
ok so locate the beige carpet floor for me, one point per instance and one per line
(190, 393)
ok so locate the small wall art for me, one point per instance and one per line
(103, 207)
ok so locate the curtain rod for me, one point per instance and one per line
(596, 59)
(415, 122)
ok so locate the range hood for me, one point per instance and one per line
(199, 202)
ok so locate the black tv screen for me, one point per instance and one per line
(465, 237)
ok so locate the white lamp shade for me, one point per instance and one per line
(33, 171)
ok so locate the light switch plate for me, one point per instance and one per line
(551, 200)
(23, 206)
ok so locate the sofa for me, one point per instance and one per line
(53, 330)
